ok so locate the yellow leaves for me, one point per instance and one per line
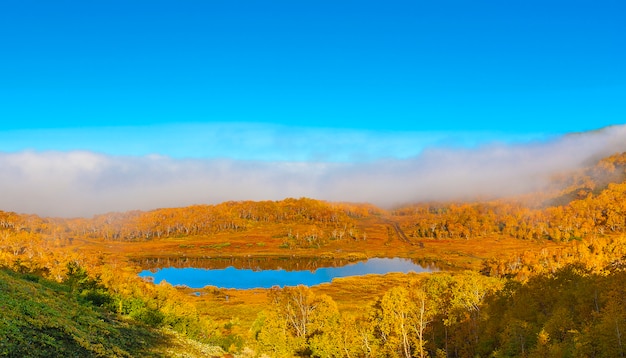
(543, 338)
(396, 321)
(273, 336)
(202, 219)
(299, 320)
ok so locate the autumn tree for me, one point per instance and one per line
(299, 322)
(395, 321)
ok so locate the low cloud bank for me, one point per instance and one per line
(81, 183)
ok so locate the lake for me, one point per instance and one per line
(237, 278)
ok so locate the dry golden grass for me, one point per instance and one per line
(446, 253)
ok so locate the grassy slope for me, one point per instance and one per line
(40, 318)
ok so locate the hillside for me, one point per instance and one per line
(41, 318)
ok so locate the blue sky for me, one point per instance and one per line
(305, 81)
(408, 66)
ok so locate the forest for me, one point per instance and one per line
(537, 275)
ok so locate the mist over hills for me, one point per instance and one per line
(81, 183)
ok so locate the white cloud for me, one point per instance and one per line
(83, 183)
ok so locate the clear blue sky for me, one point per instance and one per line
(147, 70)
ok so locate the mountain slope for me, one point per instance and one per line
(41, 318)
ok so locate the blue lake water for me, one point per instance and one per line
(247, 278)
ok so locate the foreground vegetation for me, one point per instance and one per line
(569, 313)
(42, 318)
(535, 276)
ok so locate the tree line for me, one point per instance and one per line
(336, 218)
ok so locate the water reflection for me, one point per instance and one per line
(257, 263)
(246, 278)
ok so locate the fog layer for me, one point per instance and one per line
(82, 183)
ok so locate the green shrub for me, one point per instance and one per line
(150, 317)
(97, 297)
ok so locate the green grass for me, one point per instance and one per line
(41, 318)
(216, 246)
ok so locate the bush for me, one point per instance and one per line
(87, 289)
(150, 317)
(230, 343)
(97, 297)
